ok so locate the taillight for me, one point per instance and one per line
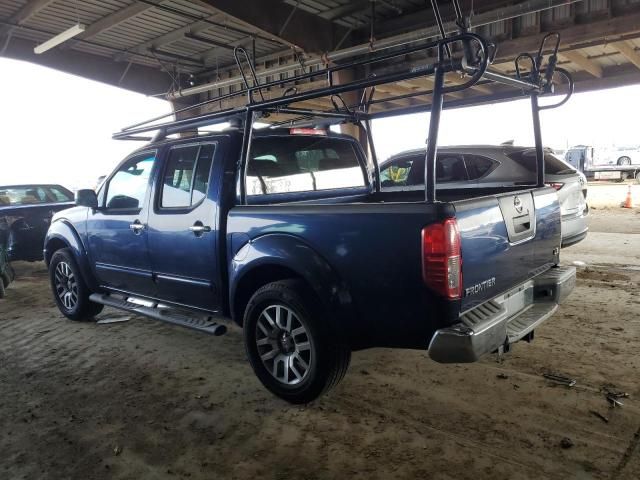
(555, 185)
(441, 259)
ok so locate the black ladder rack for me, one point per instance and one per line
(472, 64)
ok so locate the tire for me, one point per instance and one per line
(5, 280)
(2, 290)
(638, 176)
(8, 275)
(70, 291)
(624, 161)
(273, 345)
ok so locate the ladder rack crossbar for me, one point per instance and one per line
(476, 73)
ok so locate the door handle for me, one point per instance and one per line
(137, 227)
(199, 229)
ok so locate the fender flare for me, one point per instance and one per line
(292, 253)
(61, 231)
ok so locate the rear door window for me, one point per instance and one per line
(59, 194)
(409, 170)
(186, 176)
(450, 168)
(285, 164)
(478, 166)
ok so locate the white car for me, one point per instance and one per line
(489, 166)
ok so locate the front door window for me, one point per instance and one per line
(127, 189)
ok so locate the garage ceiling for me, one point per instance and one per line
(157, 47)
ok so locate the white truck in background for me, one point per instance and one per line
(605, 164)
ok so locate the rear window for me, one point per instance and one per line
(302, 164)
(33, 195)
(552, 164)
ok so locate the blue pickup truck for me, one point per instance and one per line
(286, 230)
(316, 262)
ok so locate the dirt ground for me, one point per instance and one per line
(138, 399)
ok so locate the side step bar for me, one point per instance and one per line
(201, 324)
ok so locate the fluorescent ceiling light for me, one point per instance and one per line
(60, 38)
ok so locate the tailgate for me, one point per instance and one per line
(505, 240)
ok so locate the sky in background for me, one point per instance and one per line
(57, 128)
(601, 118)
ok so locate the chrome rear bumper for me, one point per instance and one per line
(504, 319)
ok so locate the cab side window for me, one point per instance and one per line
(186, 176)
(127, 189)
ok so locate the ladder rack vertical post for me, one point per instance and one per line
(374, 157)
(244, 156)
(434, 126)
(537, 133)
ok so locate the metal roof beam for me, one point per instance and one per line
(583, 62)
(174, 35)
(207, 41)
(628, 51)
(346, 9)
(113, 19)
(30, 9)
(573, 36)
(304, 30)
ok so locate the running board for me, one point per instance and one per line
(152, 310)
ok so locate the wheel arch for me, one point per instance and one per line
(63, 235)
(275, 257)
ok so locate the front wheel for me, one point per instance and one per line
(70, 291)
(288, 344)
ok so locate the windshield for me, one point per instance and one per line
(552, 164)
(33, 195)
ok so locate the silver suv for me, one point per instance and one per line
(490, 166)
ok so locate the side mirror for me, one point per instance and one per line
(87, 198)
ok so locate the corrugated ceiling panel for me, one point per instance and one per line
(9, 7)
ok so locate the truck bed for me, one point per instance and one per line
(373, 244)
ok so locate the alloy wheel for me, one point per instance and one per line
(66, 286)
(284, 345)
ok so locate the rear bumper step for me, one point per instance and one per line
(504, 319)
(155, 311)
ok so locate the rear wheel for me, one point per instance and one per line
(7, 276)
(70, 291)
(638, 176)
(288, 345)
(2, 292)
(624, 161)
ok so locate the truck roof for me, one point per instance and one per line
(259, 133)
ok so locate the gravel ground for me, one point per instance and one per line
(139, 399)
